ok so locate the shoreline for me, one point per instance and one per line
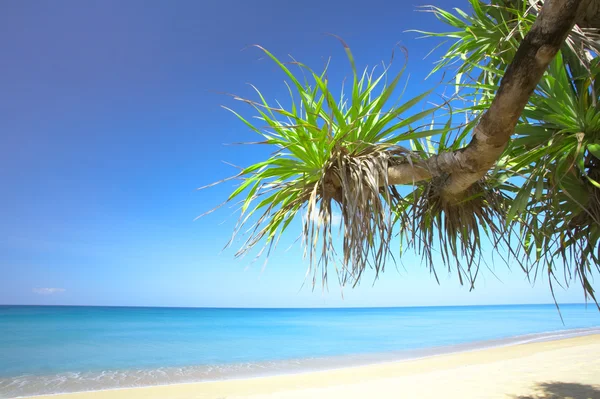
(562, 368)
(347, 363)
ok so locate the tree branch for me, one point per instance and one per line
(464, 167)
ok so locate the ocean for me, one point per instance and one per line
(55, 349)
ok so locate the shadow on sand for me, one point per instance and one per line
(562, 390)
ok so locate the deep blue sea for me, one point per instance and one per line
(47, 349)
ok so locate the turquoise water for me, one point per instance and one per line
(62, 349)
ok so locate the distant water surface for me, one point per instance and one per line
(48, 349)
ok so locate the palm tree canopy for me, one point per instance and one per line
(523, 171)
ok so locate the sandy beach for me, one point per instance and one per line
(568, 368)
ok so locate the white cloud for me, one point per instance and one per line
(336, 218)
(48, 291)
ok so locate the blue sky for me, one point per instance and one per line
(110, 118)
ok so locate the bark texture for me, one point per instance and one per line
(589, 15)
(462, 168)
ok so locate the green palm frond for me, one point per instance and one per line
(489, 37)
(559, 210)
(330, 152)
(553, 188)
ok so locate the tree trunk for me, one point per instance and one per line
(462, 168)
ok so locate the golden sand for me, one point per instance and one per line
(568, 368)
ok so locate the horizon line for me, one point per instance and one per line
(296, 308)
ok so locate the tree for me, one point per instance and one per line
(527, 179)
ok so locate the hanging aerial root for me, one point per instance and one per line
(455, 227)
(356, 184)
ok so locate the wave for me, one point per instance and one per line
(69, 382)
